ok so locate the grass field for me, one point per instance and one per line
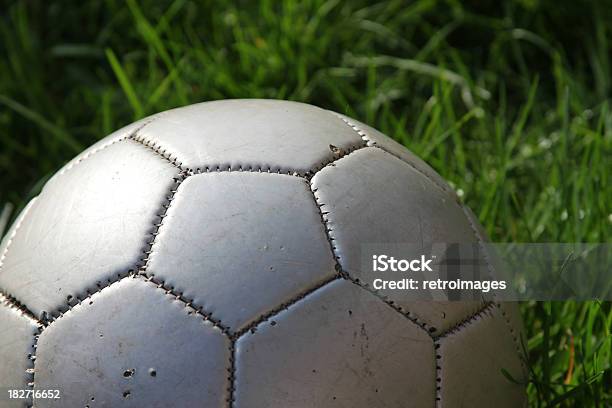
(511, 103)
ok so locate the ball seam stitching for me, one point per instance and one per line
(246, 168)
(478, 315)
(188, 172)
(485, 255)
(22, 217)
(14, 304)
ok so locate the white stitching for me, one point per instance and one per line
(22, 217)
(364, 136)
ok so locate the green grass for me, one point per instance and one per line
(509, 103)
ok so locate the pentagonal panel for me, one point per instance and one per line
(338, 347)
(377, 138)
(240, 244)
(90, 224)
(17, 333)
(251, 133)
(372, 197)
(133, 345)
(471, 362)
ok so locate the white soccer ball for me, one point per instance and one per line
(210, 256)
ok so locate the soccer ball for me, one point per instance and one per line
(210, 256)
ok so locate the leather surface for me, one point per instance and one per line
(250, 248)
(241, 244)
(88, 225)
(328, 350)
(372, 197)
(250, 133)
(103, 352)
(472, 359)
(17, 333)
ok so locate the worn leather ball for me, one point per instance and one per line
(208, 256)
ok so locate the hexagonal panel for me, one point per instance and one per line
(340, 346)
(252, 237)
(472, 359)
(91, 223)
(133, 345)
(17, 333)
(372, 197)
(250, 133)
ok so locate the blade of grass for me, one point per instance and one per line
(125, 83)
(58, 133)
(5, 216)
